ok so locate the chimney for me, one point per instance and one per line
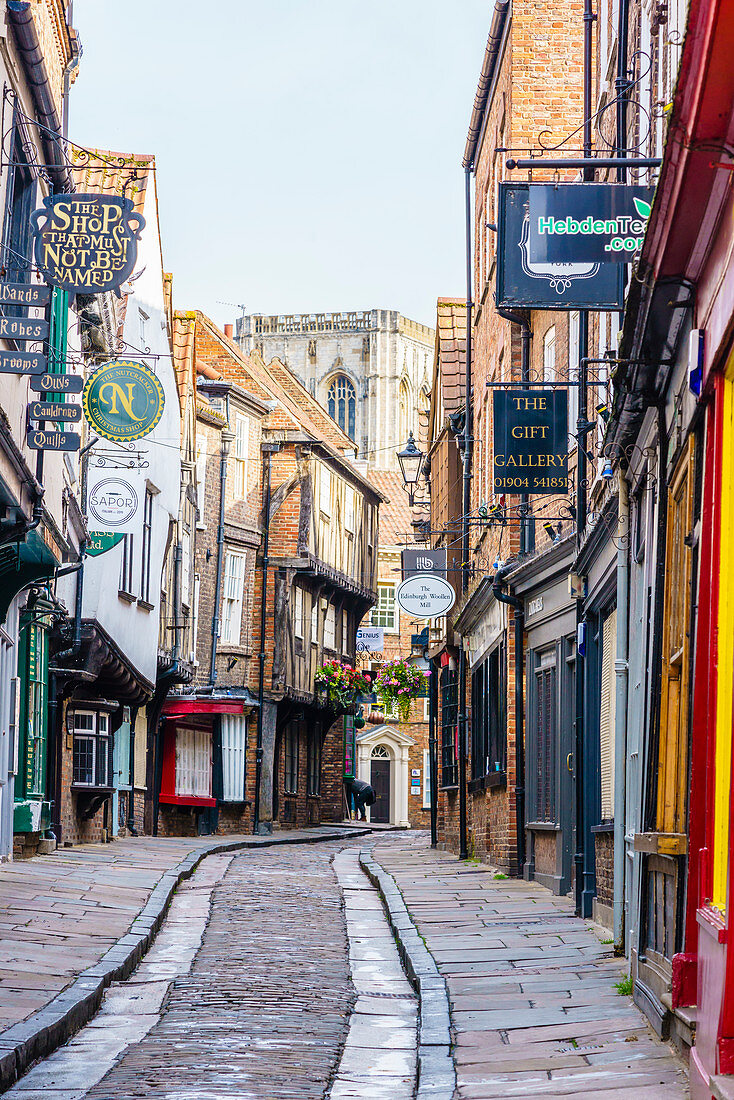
(229, 331)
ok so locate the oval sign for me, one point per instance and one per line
(424, 596)
(123, 400)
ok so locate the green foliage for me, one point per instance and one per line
(624, 987)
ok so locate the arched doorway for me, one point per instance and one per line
(380, 778)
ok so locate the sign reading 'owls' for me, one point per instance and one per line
(86, 244)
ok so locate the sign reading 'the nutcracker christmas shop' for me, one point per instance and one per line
(123, 400)
(530, 441)
(87, 243)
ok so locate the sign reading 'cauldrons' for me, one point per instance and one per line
(86, 243)
(530, 441)
(123, 400)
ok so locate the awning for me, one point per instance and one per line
(23, 564)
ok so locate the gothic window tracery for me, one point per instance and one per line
(342, 404)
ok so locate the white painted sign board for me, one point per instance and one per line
(424, 596)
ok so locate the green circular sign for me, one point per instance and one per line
(123, 400)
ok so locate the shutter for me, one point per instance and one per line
(233, 729)
(606, 721)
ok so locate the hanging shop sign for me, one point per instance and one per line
(530, 441)
(24, 294)
(424, 561)
(370, 639)
(424, 596)
(527, 283)
(102, 541)
(51, 440)
(86, 244)
(47, 410)
(115, 499)
(57, 383)
(350, 747)
(22, 362)
(587, 222)
(123, 400)
(22, 328)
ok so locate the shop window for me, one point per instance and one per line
(384, 613)
(607, 715)
(545, 733)
(234, 739)
(488, 718)
(314, 762)
(33, 669)
(290, 779)
(449, 728)
(92, 759)
(193, 763)
(234, 580)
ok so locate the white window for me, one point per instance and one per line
(349, 508)
(330, 627)
(200, 481)
(143, 319)
(426, 709)
(384, 613)
(92, 756)
(193, 763)
(240, 453)
(234, 580)
(186, 567)
(234, 739)
(345, 632)
(426, 779)
(549, 354)
(314, 619)
(325, 489)
(298, 612)
(195, 618)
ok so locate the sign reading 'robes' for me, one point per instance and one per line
(86, 244)
(531, 441)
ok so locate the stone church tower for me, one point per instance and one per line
(371, 370)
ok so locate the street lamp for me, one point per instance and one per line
(411, 463)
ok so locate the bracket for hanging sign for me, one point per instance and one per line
(44, 410)
(22, 362)
(53, 441)
(56, 383)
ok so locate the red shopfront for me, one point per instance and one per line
(203, 772)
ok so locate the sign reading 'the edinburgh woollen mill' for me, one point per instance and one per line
(530, 441)
(86, 244)
(424, 596)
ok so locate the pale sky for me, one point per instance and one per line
(309, 153)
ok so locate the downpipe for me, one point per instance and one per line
(621, 673)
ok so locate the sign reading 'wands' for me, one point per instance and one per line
(530, 441)
(86, 243)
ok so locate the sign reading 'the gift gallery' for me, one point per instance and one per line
(530, 441)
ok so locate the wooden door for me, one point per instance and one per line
(380, 780)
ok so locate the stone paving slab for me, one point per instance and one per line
(79, 918)
(534, 1010)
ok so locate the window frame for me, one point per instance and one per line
(313, 764)
(240, 456)
(100, 742)
(126, 583)
(146, 547)
(230, 603)
(202, 747)
(291, 744)
(378, 613)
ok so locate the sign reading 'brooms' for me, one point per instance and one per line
(86, 243)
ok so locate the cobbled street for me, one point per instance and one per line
(276, 975)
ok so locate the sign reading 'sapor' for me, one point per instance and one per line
(86, 243)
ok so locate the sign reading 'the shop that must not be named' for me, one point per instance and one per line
(530, 441)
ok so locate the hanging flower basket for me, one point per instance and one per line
(339, 684)
(397, 684)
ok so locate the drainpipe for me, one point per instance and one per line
(519, 618)
(433, 752)
(621, 667)
(226, 440)
(268, 450)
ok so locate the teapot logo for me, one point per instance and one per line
(86, 244)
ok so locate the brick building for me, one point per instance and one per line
(282, 513)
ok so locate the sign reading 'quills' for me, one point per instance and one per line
(86, 243)
(530, 441)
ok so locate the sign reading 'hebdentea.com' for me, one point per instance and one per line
(587, 222)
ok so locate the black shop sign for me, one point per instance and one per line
(576, 223)
(531, 441)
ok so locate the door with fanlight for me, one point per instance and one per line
(380, 769)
